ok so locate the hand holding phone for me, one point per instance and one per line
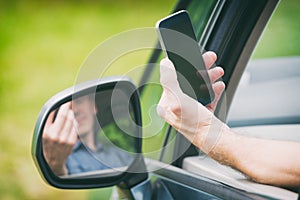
(179, 43)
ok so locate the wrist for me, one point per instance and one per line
(210, 138)
(60, 170)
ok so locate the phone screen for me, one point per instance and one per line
(179, 42)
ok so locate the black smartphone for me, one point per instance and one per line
(178, 41)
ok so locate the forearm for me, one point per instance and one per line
(265, 161)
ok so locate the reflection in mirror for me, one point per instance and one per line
(91, 133)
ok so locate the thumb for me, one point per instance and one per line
(168, 76)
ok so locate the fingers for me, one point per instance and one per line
(64, 128)
(73, 134)
(49, 121)
(168, 79)
(168, 76)
(171, 91)
(168, 109)
(209, 59)
(61, 117)
(69, 127)
(215, 74)
(218, 89)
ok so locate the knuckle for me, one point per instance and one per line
(66, 142)
(48, 136)
(51, 139)
(62, 116)
(72, 142)
(175, 108)
(63, 142)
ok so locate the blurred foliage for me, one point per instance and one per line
(281, 36)
(42, 45)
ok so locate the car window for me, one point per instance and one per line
(154, 128)
(268, 92)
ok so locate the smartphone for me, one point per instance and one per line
(178, 41)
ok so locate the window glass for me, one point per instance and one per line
(200, 12)
(281, 37)
(268, 91)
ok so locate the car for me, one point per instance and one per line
(160, 163)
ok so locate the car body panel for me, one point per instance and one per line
(180, 183)
(207, 167)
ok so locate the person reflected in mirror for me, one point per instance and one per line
(70, 143)
(264, 161)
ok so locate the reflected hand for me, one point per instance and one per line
(184, 113)
(59, 138)
(214, 74)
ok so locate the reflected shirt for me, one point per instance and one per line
(83, 159)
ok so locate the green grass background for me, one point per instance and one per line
(43, 44)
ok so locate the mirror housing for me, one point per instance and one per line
(126, 178)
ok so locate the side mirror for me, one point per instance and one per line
(90, 135)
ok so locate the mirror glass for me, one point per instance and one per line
(92, 134)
